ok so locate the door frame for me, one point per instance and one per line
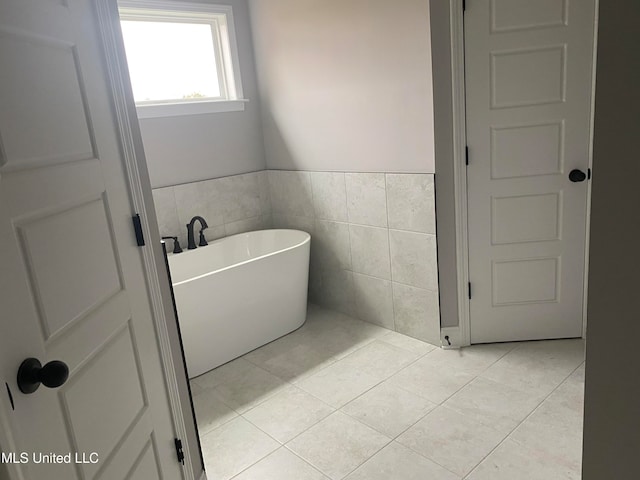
(115, 63)
(462, 333)
(109, 37)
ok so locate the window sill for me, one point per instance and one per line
(190, 108)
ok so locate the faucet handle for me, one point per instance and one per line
(203, 241)
(176, 244)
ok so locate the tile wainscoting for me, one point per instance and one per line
(230, 205)
(373, 248)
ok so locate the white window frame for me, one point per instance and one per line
(220, 17)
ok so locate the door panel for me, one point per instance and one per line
(522, 281)
(528, 81)
(512, 73)
(146, 466)
(72, 284)
(540, 150)
(64, 295)
(510, 15)
(525, 218)
(37, 126)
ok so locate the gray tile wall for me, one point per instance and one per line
(373, 247)
(230, 205)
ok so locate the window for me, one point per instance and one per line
(182, 57)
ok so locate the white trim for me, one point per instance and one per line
(227, 61)
(231, 57)
(189, 108)
(460, 171)
(131, 145)
(589, 186)
(174, 6)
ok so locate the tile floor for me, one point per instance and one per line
(341, 398)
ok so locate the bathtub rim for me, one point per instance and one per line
(306, 240)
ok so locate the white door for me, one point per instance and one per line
(528, 78)
(72, 285)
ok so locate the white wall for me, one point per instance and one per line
(199, 147)
(345, 85)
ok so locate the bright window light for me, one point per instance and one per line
(182, 57)
(171, 61)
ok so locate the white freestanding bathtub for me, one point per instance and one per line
(239, 293)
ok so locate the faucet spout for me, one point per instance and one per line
(190, 235)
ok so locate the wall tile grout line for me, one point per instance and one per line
(339, 288)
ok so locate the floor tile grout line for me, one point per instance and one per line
(273, 394)
(280, 444)
(308, 463)
(508, 436)
(370, 457)
(363, 393)
(379, 337)
(369, 389)
(394, 438)
(254, 463)
(442, 404)
(383, 381)
(326, 475)
(362, 423)
(335, 409)
(369, 342)
(339, 409)
(545, 399)
(424, 456)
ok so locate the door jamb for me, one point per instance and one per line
(594, 66)
(140, 191)
(460, 170)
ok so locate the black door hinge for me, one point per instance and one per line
(13, 405)
(588, 174)
(464, 5)
(469, 290)
(466, 155)
(137, 228)
(179, 450)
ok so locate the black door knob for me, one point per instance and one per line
(577, 176)
(31, 374)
